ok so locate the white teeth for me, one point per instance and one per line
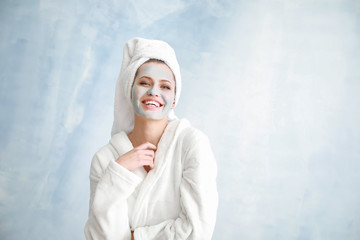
(156, 104)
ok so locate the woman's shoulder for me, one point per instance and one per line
(109, 152)
(195, 146)
(190, 136)
(191, 133)
(101, 160)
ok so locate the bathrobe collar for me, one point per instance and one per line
(165, 149)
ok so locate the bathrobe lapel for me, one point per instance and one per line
(163, 155)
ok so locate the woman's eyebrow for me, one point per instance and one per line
(147, 77)
(165, 80)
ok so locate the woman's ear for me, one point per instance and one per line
(173, 104)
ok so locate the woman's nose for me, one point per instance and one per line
(153, 91)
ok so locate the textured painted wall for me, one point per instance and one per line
(275, 85)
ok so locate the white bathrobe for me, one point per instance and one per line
(176, 200)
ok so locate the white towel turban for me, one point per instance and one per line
(136, 52)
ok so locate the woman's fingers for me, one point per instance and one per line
(145, 157)
(147, 145)
(142, 155)
(146, 161)
(138, 153)
(150, 153)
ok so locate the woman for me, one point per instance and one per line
(156, 179)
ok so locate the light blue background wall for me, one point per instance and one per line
(274, 84)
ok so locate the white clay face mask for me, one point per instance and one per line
(153, 91)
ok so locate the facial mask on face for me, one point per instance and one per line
(150, 96)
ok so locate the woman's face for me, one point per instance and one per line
(153, 92)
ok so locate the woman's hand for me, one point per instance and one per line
(142, 155)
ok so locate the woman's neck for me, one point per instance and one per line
(147, 130)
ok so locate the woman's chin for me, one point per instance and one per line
(155, 116)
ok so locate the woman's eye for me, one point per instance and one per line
(144, 83)
(166, 87)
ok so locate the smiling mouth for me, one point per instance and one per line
(152, 103)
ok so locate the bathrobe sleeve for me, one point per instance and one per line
(199, 197)
(110, 186)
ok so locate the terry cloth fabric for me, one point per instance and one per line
(136, 52)
(176, 200)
